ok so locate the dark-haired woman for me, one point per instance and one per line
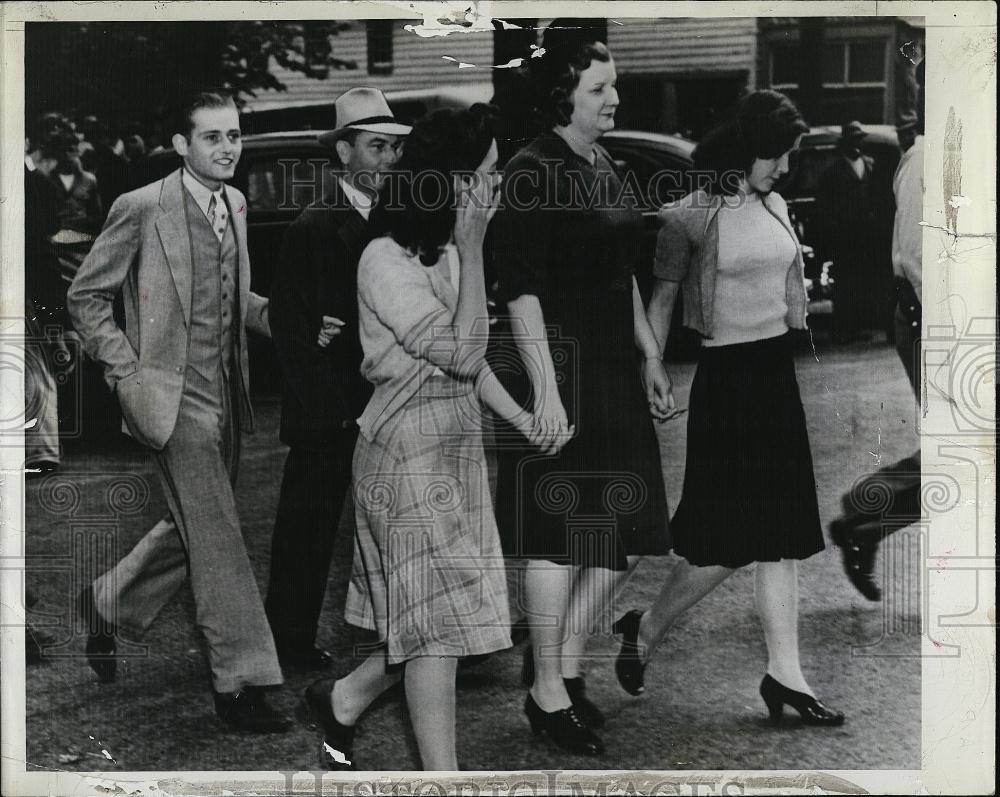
(428, 574)
(566, 249)
(749, 493)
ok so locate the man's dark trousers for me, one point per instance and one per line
(313, 488)
(323, 394)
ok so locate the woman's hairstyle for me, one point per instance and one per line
(417, 201)
(571, 46)
(765, 126)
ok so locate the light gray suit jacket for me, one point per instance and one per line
(144, 250)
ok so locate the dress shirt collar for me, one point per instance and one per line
(202, 193)
(359, 200)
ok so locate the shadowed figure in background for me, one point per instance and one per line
(847, 209)
(859, 532)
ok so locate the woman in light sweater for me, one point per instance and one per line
(749, 492)
(428, 570)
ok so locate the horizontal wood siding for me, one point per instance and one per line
(417, 63)
(684, 46)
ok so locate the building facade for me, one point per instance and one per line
(843, 68)
(675, 75)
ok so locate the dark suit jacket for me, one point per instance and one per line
(43, 284)
(846, 206)
(324, 392)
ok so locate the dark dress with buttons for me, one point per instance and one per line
(569, 234)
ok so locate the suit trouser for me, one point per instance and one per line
(313, 488)
(199, 539)
(901, 480)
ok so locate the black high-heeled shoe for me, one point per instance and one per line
(777, 696)
(337, 747)
(629, 666)
(564, 727)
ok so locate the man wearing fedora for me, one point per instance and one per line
(849, 212)
(315, 285)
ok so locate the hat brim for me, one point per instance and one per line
(389, 128)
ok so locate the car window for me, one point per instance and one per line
(660, 176)
(286, 182)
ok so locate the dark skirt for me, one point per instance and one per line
(602, 498)
(749, 490)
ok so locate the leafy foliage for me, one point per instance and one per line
(136, 72)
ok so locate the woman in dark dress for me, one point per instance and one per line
(579, 353)
(749, 492)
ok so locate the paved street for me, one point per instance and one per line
(701, 709)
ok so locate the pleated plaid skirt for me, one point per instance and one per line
(428, 572)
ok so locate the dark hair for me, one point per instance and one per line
(42, 129)
(571, 45)
(417, 201)
(184, 123)
(348, 136)
(765, 126)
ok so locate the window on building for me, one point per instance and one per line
(379, 46)
(785, 65)
(858, 64)
(854, 64)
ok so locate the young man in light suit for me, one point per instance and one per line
(177, 250)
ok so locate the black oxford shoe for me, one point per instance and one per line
(247, 710)
(307, 659)
(100, 637)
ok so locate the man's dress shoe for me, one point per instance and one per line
(100, 637)
(247, 710)
(306, 659)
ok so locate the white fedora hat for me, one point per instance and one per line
(363, 109)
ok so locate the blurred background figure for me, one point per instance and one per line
(46, 325)
(858, 533)
(135, 148)
(846, 208)
(46, 321)
(107, 165)
(80, 210)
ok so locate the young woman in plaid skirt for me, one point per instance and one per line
(428, 570)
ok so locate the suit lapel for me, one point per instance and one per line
(350, 224)
(176, 240)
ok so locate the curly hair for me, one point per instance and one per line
(417, 202)
(765, 126)
(571, 46)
